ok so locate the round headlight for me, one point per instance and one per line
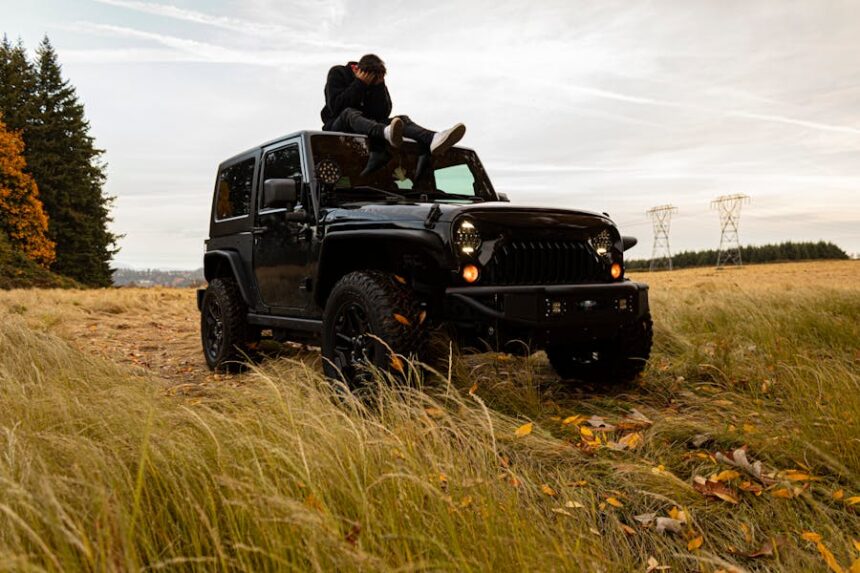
(602, 243)
(467, 238)
(328, 171)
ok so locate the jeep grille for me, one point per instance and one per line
(543, 262)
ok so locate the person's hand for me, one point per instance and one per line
(379, 79)
(365, 77)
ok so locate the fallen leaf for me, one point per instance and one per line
(716, 489)
(783, 493)
(767, 548)
(466, 502)
(829, 558)
(854, 500)
(576, 419)
(631, 440)
(856, 544)
(811, 536)
(795, 475)
(574, 505)
(473, 389)
(654, 565)
(838, 494)
(855, 567)
(599, 423)
(586, 432)
(614, 502)
(505, 461)
(738, 458)
(676, 513)
(665, 524)
(751, 487)
(396, 363)
(561, 511)
(402, 319)
(400, 279)
(548, 490)
(434, 412)
(524, 430)
(627, 529)
(726, 475)
(695, 543)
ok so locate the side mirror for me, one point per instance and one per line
(279, 193)
(503, 197)
(628, 242)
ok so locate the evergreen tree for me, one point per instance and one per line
(22, 218)
(67, 166)
(17, 84)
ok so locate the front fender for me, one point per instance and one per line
(226, 263)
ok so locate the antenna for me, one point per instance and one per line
(661, 217)
(729, 208)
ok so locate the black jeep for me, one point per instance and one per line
(302, 247)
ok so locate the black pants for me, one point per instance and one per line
(352, 120)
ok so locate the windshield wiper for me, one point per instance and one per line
(385, 192)
(439, 194)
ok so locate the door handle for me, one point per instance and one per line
(258, 230)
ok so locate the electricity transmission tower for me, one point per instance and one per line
(729, 208)
(661, 217)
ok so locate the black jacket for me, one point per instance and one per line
(343, 90)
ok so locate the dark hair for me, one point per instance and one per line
(372, 64)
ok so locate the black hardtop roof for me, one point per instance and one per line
(303, 133)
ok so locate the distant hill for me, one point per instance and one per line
(125, 277)
(17, 271)
(787, 251)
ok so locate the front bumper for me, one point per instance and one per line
(551, 306)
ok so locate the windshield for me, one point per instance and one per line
(456, 176)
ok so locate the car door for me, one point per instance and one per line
(281, 242)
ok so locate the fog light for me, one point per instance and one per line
(616, 270)
(471, 273)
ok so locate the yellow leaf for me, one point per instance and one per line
(548, 490)
(473, 389)
(504, 357)
(856, 544)
(855, 567)
(829, 559)
(631, 440)
(678, 515)
(434, 412)
(396, 363)
(573, 420)
(466, 502)
(838, 494)
(524, 430)
(811, 536)
(695, 543)
(749, 428)
(402, 319)
(795, 475)
(628, 530)
(614, 502)
(400, 279)
(783, 492)
(726, 475)
(443, 479)
(853, 500)
(586, 432)
(422, 316)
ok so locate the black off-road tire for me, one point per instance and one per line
(618, 361)
(224, 331)
(390, 313)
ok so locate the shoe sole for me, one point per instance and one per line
(396, 132)
(454, 136)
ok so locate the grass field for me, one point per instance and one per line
(737, 450)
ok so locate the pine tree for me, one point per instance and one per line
(67, 166)
(22, 218)
(17, 84)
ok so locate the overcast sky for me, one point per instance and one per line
(606, 106)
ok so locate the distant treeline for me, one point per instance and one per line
(788, 251)
(156, 277)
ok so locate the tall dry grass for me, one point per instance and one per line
(104, 469)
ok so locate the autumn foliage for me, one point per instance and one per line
(22, 217)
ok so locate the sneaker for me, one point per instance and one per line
(445, 140)
(393, 132)
(376, 161)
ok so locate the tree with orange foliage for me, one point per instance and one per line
(22, 217)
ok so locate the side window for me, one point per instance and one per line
(234, 190)
(284, 163)
(456, 179)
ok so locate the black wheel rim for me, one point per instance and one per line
(354, 346)
(214, 334)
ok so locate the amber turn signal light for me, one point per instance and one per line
(616, 270)
(470, 273)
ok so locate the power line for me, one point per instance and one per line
(661, 218)
(729, 208)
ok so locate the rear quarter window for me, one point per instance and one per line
(233, 197)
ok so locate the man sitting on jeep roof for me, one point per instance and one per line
(357, 101)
